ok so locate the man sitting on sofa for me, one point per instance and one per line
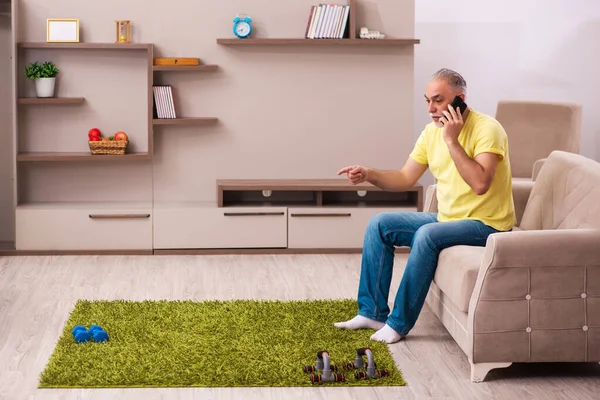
(468, 155)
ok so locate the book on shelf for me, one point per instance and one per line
(164, 106)
(328, 21)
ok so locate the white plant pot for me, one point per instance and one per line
(44, 87)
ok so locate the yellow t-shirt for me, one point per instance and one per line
(456, 199)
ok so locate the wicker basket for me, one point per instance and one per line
(111, 147)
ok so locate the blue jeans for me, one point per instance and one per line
(427, 238)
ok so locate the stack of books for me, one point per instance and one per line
(164, 106)
(328, 21)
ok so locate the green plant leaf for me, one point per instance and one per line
(32, 71)
(48, 70)
(36, 70)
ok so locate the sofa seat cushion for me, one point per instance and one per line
(456, 273)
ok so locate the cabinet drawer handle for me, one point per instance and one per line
(322, 215)
(119, 216)
(245, 214)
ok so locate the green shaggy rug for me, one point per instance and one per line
(210, 344)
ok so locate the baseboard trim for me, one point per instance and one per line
(6, 248)
(172, 252)
(75, 252)
(266, 251)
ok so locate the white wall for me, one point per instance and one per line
(546, 50)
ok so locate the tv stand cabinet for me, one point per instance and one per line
(277, 215)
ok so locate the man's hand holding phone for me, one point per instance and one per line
(453, 120)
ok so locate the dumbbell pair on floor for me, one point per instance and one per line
(372, 371)
(323, 364)
(81, 334)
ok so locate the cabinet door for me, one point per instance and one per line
(196, 227)
(76, 228)
(330, 228)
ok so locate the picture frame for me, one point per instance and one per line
(62, 30)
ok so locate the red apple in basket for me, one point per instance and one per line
(121, 136)
(94, 132)
(95, 139)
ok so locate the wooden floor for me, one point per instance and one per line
(37, 294)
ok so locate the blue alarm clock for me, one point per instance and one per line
(242, 27)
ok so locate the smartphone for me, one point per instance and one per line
(459, 103)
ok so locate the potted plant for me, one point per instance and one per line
(44, 77)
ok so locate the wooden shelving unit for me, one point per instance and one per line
(201, 121)
(78, 156)
(50, 100)
(185, 68)
(189, 121)
(265, 215)
(278, 215)
(84, 46)
(68, 156)
(316, 42)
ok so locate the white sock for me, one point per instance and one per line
(387, 335)
(360, 322)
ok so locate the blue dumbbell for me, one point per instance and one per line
(94, 328)
(80, 334)
(98, 333)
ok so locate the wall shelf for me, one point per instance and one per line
(99, 46)
(51, 100)
(78, 156)
(317, 42)
(186, 121)
(185, 68)
(350, 37)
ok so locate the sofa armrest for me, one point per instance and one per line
(537, 166)
(431, 204)
(542, 248)
(531, 295)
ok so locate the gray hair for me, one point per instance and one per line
(453, 78)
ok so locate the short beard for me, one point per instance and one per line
(439, 123)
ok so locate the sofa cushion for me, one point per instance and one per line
(536, 128)
(456, 273)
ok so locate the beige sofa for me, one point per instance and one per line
(533, 294)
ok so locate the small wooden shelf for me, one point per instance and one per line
(78, 156)
(84, 205)
(99, 46)
(51, 100)
(313, 193)
(186, 121)
(318, 42)
(185, 68)
(338, 184)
